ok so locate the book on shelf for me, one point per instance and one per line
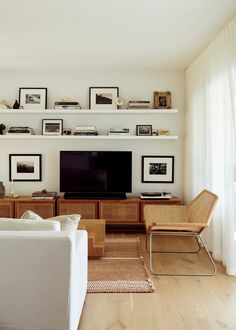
(85, 128)
(138, 104)
(44, 194)
(67, 107)
(86, 132)
(20, 130)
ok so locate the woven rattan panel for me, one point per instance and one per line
(87, 210)
(115, 212)
(44, 209)
(6, 210)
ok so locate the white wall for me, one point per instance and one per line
(133, 84)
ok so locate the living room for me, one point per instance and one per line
(134, 50)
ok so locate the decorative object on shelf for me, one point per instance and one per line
(66, 131)
(119, 101)
(52, 127)
(25, 167)
(20, 130)
(67, 105)
(2, 127)
(16, 105)
(119, 131)
(158, 169)
(12, 189)
(163, 132)
(33, 98)
(138, 105)
(162, 100)
(85, 130)
(103, 98)
(44, 194)
(4, 105)
(2, 190)
(143, 129)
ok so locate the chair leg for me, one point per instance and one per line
(156, 251)
(180, 274)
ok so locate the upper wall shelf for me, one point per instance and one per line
(89, 111)
(88, 137)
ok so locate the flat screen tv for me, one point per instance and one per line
(95, 174)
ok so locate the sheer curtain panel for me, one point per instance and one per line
(211, 139)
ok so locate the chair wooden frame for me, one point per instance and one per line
(186, 221)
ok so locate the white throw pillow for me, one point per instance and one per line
(30, 215)
(68, 222)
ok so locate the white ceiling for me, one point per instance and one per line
(108, 33)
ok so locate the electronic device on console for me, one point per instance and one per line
(155, 195)
(95, 174)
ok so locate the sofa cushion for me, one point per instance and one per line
(29, 225)
(68, 222)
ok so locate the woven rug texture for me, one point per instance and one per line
(120, 270)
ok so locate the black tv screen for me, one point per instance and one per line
(94, 173)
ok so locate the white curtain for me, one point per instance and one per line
(211, 139)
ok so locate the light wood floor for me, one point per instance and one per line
(178, 302)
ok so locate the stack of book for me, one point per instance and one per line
(44, 194)
(85, 130)
(20, 130)
(119, 131)
(138, 104)
(67, 105)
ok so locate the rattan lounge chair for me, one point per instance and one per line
(188, 220)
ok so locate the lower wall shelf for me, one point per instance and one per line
(89, 137)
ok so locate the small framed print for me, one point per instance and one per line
(103, 98)
(33, 98)
(25, 167)
(52, 127)
(158, 169)
(143, 130)
(162, 100)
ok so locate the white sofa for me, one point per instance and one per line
(43, 278)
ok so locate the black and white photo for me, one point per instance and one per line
(103, 98)
(33, 98)
(25, 167)
(143, 129)
(158, 169)
(52, 127)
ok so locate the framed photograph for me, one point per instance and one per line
(33, 98)
(52, 127)
(158, 169)
(143, 129)
(25, 167)
(104, 98)
(162, 100)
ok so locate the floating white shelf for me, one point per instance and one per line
(89, 137)
(89, 111)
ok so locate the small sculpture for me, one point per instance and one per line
(2, 190)
(2, 127)
(16, 105)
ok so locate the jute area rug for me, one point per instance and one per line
(120, 270)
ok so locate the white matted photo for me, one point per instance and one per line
(103, 98)
(33, 98)
(158, 169)
(25, 167)
(52, 127)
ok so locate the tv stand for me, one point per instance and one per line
(94, 195)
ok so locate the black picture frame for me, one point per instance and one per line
(158, 169)
(103, 98)
(143, 130)
(52, 126)
(33, 98)
(25, 167)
